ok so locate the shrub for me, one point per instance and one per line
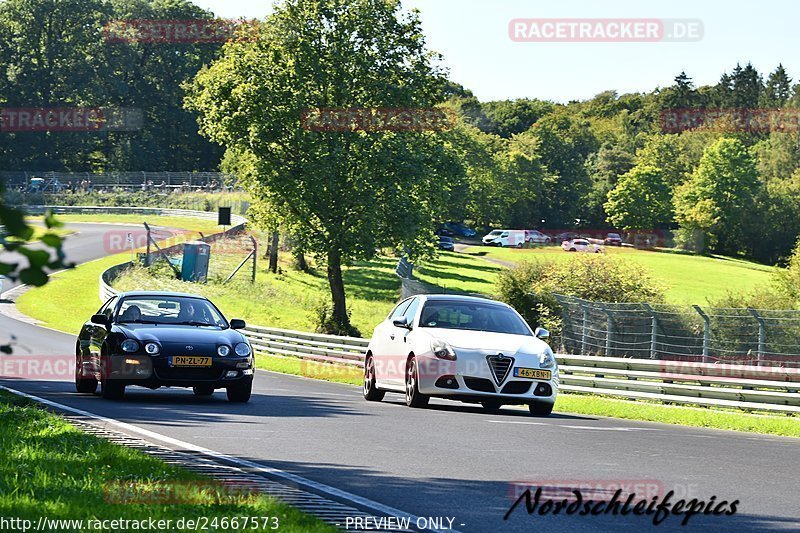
(529, 287)
(322, 314)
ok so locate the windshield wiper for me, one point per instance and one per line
(194, 323)
(138, 322)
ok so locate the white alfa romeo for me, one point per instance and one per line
(462, 348)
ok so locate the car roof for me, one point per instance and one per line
(459, 298)
(161, 293)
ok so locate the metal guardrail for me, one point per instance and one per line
(747, 387)
(236, 220)
(55, 181)
(744, 387)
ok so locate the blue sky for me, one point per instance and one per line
(473, 37)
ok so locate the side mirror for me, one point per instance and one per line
(542, 333)
(238, 323)
(401, 322)
(101, 319)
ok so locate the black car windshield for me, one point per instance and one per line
(472, 316)
(172, 310)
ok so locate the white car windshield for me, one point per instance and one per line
(453, 314)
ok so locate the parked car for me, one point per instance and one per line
(533, 236)
(463, 348)
(566, 236)
(157, 339)
(505, 237)
(581, 245)
(613, 239)
(446, 243)
(443, 230)
(460, 229)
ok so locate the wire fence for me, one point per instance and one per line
(659, 331)
(54, 182)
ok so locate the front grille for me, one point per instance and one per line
(500, 366)
(479, 384)
(188, 374)
(516, 387)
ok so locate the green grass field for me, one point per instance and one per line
(52, 469)
(689, 279)
(194, 225)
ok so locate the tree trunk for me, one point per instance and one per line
(273, 253)
(300, 261)
(337, 289)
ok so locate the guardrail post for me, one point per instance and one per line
(706, 332)
(609, 327)
(762, 334)
(654, 330)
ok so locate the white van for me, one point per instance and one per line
(505, 237)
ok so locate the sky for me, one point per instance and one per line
(473, 36)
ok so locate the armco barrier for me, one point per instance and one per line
(236, 220)
(671, 381)
(713, 385)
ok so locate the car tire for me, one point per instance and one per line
(240, 392)
(414, 398)
(112, 390)
(492, 405)
(371, 392)
(573, 250)
(83, 385)
(540, 408)
(203, 390)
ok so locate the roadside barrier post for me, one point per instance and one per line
(706, 332)
(762, 334)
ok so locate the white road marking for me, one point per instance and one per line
(320, 488)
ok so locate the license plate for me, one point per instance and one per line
(531, 373)
(189, 360)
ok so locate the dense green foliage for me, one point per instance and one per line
(529, 287)
(54, 54)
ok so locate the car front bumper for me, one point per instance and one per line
(154, 372)
(470, 379)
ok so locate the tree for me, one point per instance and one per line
(717, 201)
(642, 199)
(778, 88)
(344, 194)
(604, 168)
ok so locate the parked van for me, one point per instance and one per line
(505, 237)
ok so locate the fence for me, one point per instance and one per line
(658, 331)
(60, 181)
(746, 387)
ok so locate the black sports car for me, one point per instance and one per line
(162, 339)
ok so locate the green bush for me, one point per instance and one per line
(529, 287)
(322, 314)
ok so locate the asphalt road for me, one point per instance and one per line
(452, 460)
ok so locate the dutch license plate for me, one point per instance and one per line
(189, 360)
(531, 373)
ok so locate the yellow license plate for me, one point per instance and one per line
(190, 360)
(531, 373)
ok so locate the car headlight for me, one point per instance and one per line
(442, 350)
(547, 360)
(152, 348)
(223, 350)
(242, 349)
(129, 345)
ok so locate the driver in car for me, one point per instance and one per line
(131, 314)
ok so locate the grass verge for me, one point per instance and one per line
(52, 469)
(689, 279)
(579, 403)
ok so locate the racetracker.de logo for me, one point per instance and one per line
(178, 31)
(569, 30)
(731, 120)
(38, 367)
(30, 119)
(377, 119)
